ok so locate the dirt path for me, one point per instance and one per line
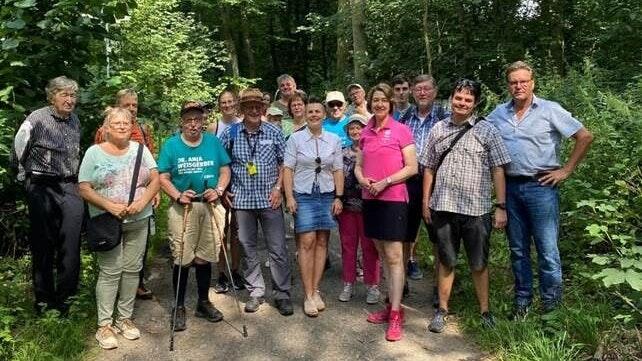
(339, 333)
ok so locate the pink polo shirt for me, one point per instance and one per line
(382, 156)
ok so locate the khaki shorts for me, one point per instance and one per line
(202, 240)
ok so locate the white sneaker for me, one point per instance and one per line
(106, 337)
(128, 329)
(373, 295)
(347, 292)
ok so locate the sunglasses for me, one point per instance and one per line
(317, 160)
(335, 104)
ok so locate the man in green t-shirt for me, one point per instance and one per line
(194, 173)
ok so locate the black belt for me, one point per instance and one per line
(523, 178)
(45, 178)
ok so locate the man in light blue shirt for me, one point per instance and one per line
(532, 129)
(336, 121)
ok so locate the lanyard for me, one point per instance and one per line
(250, 145)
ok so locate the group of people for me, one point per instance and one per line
(376, 168)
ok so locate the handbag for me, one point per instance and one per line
(105, 231)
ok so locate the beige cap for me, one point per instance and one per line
(335, 96)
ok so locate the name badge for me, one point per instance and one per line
(252, 169)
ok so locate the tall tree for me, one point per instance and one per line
(342, 59)
(360, 52)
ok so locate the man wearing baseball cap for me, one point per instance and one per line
(336, 119)
(194, 171)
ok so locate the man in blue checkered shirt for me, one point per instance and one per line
(256, 149)
(421, 118)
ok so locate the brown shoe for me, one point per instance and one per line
(143, 293)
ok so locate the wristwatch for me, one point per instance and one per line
(219, 191)
(501, 205)
(388, 181)
(178, 199)
(339, 197)
(277, 187)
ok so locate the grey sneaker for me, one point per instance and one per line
(347, 292)
(438, 322)
(487, 320)
(106, 337)
(128, 329)
(373, 295)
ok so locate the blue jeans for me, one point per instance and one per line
(533, 212)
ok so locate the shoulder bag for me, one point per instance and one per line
(104, 231)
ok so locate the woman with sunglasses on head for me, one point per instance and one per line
(313, 183)
(386, 159)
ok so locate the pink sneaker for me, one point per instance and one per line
(380, 316)
(395, 326)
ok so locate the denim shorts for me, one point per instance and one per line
(314, 211)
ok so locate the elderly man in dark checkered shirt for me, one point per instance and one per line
(47, 150)
(459, 205)
(256, 149)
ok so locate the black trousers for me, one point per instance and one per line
(415, 187)
(56, 214)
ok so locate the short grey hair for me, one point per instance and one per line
(60, 83)
(424, 77)
(519, 65)
(283, 77)
(125, 92)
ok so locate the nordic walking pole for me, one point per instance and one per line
(186, 210)
(227, 260)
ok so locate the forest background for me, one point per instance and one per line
(587, 55)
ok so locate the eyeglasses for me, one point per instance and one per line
(519, 83)
(335, 105)
(192, 120)
(120, 124)
(317, 160)
(424, 89)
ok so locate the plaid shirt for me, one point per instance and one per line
(463, 182)
(420, 128)
(268, 146)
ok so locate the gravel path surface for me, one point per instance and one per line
(339, 333)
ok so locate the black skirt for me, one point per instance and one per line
(385, 220)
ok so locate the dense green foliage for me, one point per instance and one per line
(587, 54)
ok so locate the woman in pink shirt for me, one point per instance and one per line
(386, 159)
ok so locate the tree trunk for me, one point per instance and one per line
(247, 45)
(360, 52)
(552, 14)
(426, 31)
(229, 43)
(342, 44)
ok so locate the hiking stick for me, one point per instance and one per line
(186, 210)
(227, 235)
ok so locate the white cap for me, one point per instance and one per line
(334, 96)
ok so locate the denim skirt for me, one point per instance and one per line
(314, 211)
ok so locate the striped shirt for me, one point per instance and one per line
(463, 182)
(48, 144)
(264, 151)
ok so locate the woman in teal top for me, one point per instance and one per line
(105, 181)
